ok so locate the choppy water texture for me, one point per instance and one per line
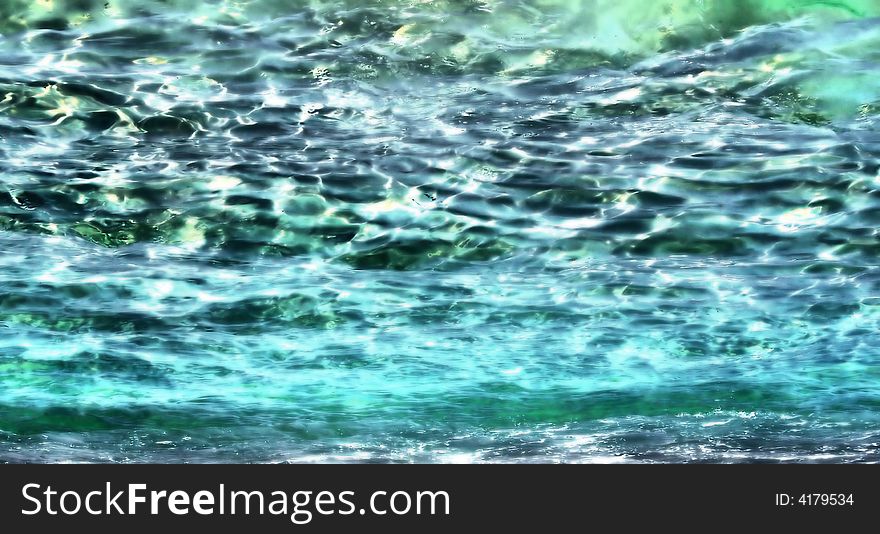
(439, 231)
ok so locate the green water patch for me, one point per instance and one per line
(447, 36)
(496, 406)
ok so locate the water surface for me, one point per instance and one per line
(437, 231)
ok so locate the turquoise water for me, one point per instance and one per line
(435, 231)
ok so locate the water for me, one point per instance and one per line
(436, 231)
